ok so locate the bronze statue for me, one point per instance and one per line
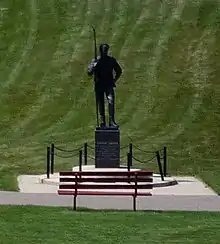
(106, 71)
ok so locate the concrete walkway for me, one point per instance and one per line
(158, 202)
(190, 194)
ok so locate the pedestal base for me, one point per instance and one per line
(107, 148)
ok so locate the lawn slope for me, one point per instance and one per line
(168, 94)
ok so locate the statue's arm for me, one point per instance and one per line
(91, 67)
(117, 69)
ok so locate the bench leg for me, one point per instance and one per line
(74, 203)
(134, 203)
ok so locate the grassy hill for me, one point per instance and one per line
(168, 94)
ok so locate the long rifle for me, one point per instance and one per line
(95, 56)
(95, 46)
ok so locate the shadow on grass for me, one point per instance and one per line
(84, 209)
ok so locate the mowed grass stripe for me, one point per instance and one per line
(144, 14)
(158, 137)
(49, 86)
(11, 48)
(43, 98)
(200, 61)
(27, 90)
(147, 38)
(160, 85)
(126, 19)
(196, 100)
(15, 79)
(193, 104)
(45, 80)
(150, 74)
(12, 61)
(28, 47)
(200, 75)
(4, 38)
(132, 64)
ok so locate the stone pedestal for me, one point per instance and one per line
(107, 148)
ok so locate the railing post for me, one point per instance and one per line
(131, 152)
(128, 165)
(80, 160)
(52, 159)
(135, 193)
(85, 153)
(165, 161)
(128, 161)
(48, 162)
(159, 165)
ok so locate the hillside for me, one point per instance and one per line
(168, 94)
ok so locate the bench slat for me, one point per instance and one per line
(72, 193)
(106, 173)
(102, 186)
(107, 180)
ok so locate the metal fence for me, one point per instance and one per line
(159, 157)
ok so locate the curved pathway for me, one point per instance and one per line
(159, 202)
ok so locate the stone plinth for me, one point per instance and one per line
(107, 148)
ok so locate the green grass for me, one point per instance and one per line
(168, 94)
(57, 225)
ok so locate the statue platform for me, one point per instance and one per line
(171, 186)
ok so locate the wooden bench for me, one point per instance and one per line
(99, 184)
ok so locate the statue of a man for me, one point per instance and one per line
(106, 71)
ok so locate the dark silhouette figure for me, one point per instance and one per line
(106, 71)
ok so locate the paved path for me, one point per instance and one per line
(158, 202)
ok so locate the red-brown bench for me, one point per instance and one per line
(99, 183)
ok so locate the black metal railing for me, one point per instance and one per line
(159, 155)
(84, 154)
